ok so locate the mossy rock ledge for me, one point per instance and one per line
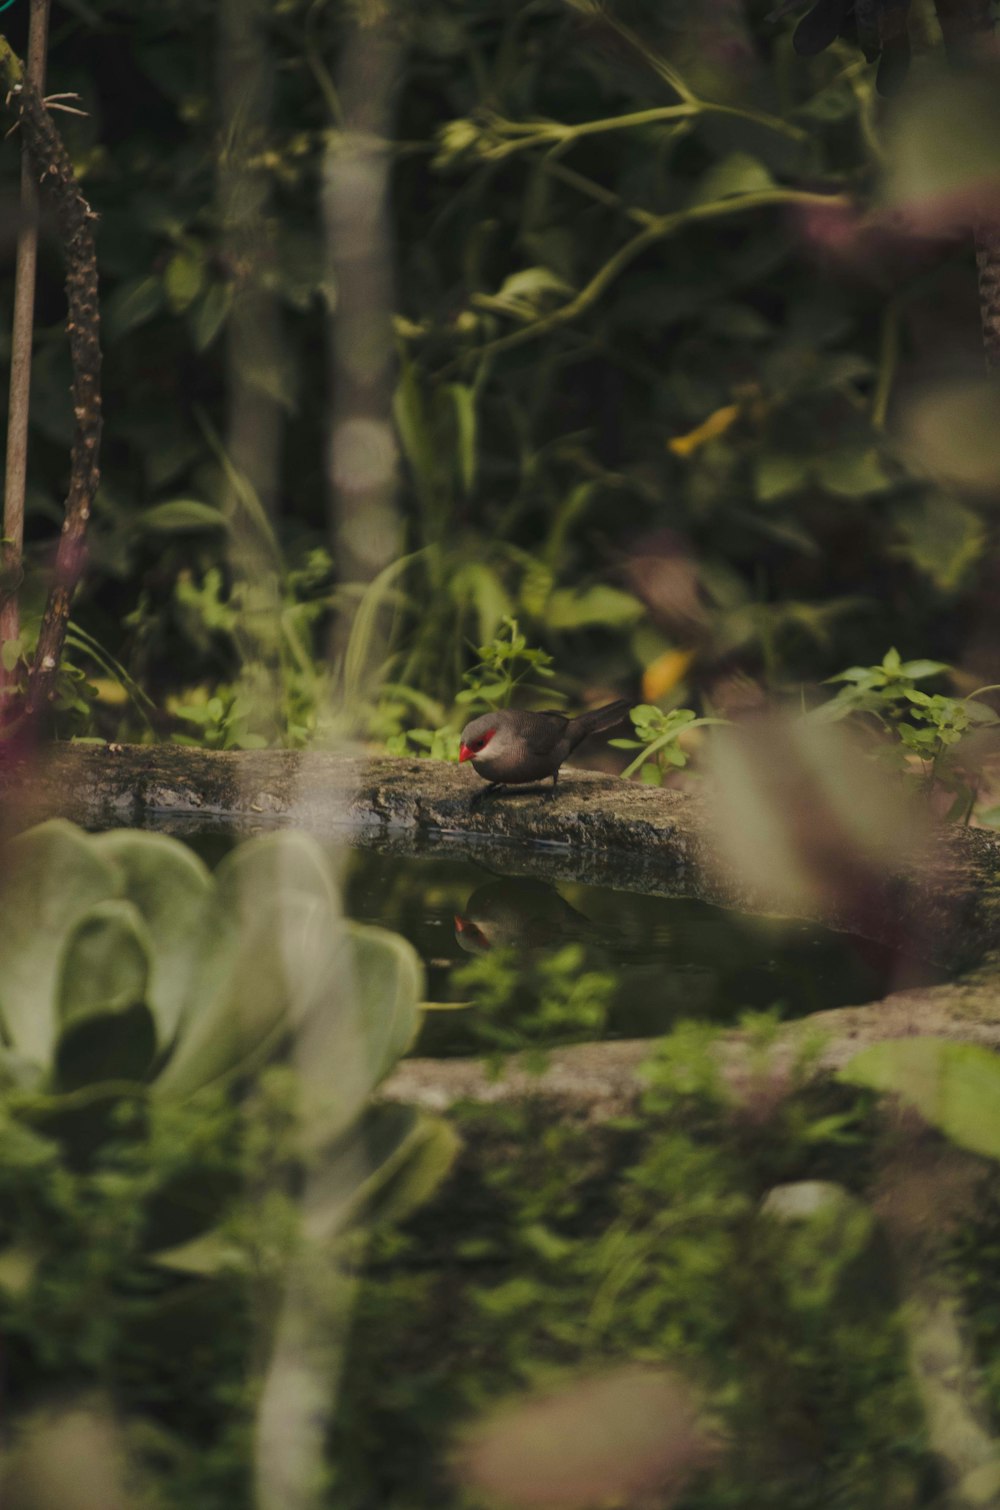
(596, 829)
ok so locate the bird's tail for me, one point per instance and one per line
(597, 720)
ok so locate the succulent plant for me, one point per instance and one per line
(128, 968)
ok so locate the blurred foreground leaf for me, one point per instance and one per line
(954, 1086)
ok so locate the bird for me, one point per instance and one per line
(513, 747)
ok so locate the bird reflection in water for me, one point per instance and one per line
(522, 914)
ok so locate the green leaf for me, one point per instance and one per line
(391, 981)
(776, 474)
(941, 538)
(599, 605)
(53, 877)
(133, 304)
(209, 314)
(527, 292)
(172, 890)
(184, 278)
(954, 1086)
(106, 961)
(409, 412)
(180, 514)
(737, 174)
(391, 1161)
(285, 966)
(917, 670)
(479, 585)
(852, 473)
(463, 400)
(738, 322)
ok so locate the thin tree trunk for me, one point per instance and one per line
(365, 527)
(74, 220)
(967, 28)
(15, 478)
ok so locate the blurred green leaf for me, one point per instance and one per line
(132, 304)
(106, 962)
(209, 314)
(854, 474)
(600, 604)
(528, 291)
(941, 538)
(954, 1086)
(184, 279)
(464, 401)
(739, 173)
(776, 474)
(181, 514)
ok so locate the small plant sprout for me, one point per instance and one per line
(927, 726)
(657, 738)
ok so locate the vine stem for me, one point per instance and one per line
(658, 229)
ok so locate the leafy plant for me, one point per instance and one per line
(657, 737)
(527, 1006)
(658, 1240)
(505, 664)
(129, 972)
(927, 726)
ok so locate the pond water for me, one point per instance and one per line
(667, 958)
(670, 958)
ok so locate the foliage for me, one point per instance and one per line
(634, 294)
(660, 1240)
(169, 1036)
(185, 1113)
(954, 1086)
(505, 664)
(531, 1005)
(928, 726)
(658, 737)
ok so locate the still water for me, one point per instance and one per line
(670, 958)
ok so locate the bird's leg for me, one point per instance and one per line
(555, 783)
(489, 790)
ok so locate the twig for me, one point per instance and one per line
(74, 219)
(658, 229)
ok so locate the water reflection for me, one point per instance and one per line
(520, 913)
(670, 958)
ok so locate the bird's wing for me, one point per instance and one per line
(545, 736)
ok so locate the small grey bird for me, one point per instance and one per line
(512, 747)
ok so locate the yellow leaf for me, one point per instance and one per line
(109, 691)
(717, 424)
(662, 675)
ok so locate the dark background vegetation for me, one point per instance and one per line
(699, 460)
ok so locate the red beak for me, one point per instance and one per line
(465, 754)
(460, 923)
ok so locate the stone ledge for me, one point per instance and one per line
(597, 829)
